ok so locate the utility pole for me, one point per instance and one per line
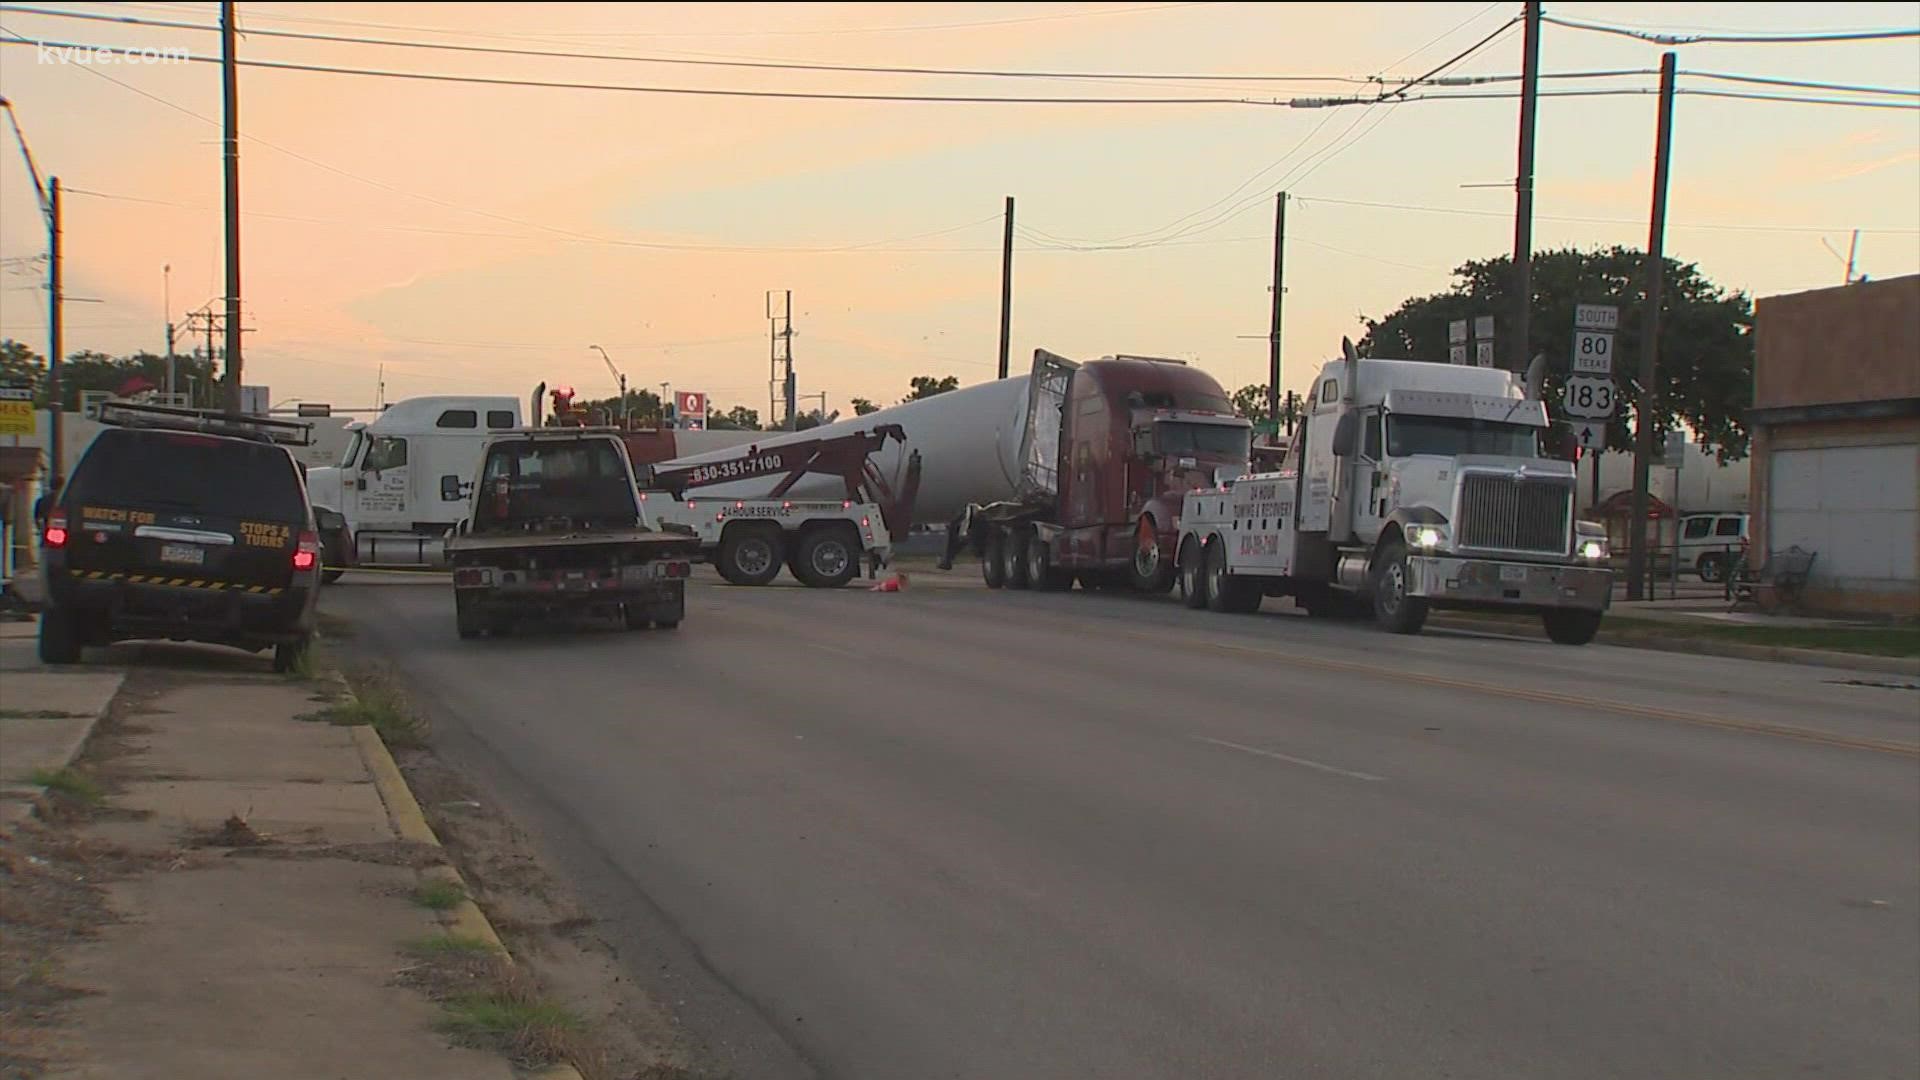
(786, 337)
(1279, 291)
(1523, 192)
(779, 350)
(231, 123)
(1006, 290)
(56, 335)
(1637, 561)
(166, 304)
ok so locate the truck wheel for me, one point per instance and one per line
(1193, 572)
(59, 636)
(465, 619)
(827, 559)
(1709, 566)
(1040, 570)
(1226, 593)
(1393, 609)
(1151, 569)
(992, 570)
(1013, 558)
(288, 654)
(1571, 626)
(750, 556)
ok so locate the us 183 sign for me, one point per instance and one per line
(1588, 397)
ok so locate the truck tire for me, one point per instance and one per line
(288, 654)
(1393, 609)
(750, 555)
(1193, 572)
(1013, 558)
(59, 636)
(1570, 626)
(828, 558)
(1151, 569)
(333, 553)
(992, 570)
(1226, 593)
(465, 619)
(1041, 573)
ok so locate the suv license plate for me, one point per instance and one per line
(1513, 573)
(183, 554)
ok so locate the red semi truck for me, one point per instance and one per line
(1108, 452)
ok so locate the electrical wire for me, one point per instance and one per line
(1661, 38)
(1803, 85)
(770, 65)
(1890, 229)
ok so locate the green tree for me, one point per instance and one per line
(861, 407)
(1250, 402)
(21, 366)
(926, 386)
(1706, 335)
(643, 408)
(738, 418)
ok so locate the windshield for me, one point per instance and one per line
(353, 448)
(584, 482)
(1214, 440)
(1451, 436)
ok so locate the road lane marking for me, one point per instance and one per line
(1303, 762)
(1549, 697)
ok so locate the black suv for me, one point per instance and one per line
(185, 525)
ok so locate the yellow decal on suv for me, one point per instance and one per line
(257, 534)
(108, 513)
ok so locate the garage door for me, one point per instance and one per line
(1857, 506)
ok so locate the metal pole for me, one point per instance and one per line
(56, 334)
(166, 302)
(1006, 290)
(1673, 567)
(230, 95)
(1279, 291)
(1643, 414)
(787, 354)
(1523, 194)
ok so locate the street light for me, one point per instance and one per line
(623, 383)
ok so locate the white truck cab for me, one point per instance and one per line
(403, 479)
(1414, 485)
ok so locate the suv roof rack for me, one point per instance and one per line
(206, 421)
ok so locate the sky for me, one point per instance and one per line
(446, 237)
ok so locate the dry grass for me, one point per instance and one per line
(70, 783)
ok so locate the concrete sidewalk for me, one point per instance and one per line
(269, 948)
(46, 715)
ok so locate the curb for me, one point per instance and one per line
(1733, 650)
(410, 822)
(19, 800)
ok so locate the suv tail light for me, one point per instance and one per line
(56, 534)
(307, 555)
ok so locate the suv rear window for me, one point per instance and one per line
(169, 470)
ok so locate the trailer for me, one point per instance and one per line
(1413, 486)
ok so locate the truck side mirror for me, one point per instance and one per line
(450, 488)
(1346, 435)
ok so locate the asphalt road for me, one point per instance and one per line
(952, 833)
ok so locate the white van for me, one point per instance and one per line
(1710, 543)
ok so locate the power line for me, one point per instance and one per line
(687, 91)
(1445, 64)
(1765, 81)
(1900, 229)
(769, 65)
(1642, 91)
(1662, 38)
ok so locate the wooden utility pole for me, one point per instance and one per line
(56, 335)
(1646, 402)
(230, 122)
(1006, 290)
(1279, 291)
(1523, 194)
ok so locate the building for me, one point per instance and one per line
(1836, 441)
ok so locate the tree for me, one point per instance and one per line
(21, 366)
(926, 386)
(1706, 335)
(1250, 402)
(738, 418)
(643, 408)
(861, 407)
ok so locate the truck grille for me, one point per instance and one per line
(1505, 513)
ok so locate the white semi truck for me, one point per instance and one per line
(1413, 486)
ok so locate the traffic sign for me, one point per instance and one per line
(1592, 352)
(1591, 436)
(1483, 327)
(1457, 354)
(1596, 317)
(1483, 353)
(16, 411)
(1588, 397)
(1457, 332)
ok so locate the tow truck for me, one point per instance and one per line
(821, 542)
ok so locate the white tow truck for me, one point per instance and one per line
(1413, 486)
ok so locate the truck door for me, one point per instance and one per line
(382, 489)
(1317, 468)
(1041, 443)
(1369, 478)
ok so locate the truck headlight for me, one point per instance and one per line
(1427, 537)
(1593, 550)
